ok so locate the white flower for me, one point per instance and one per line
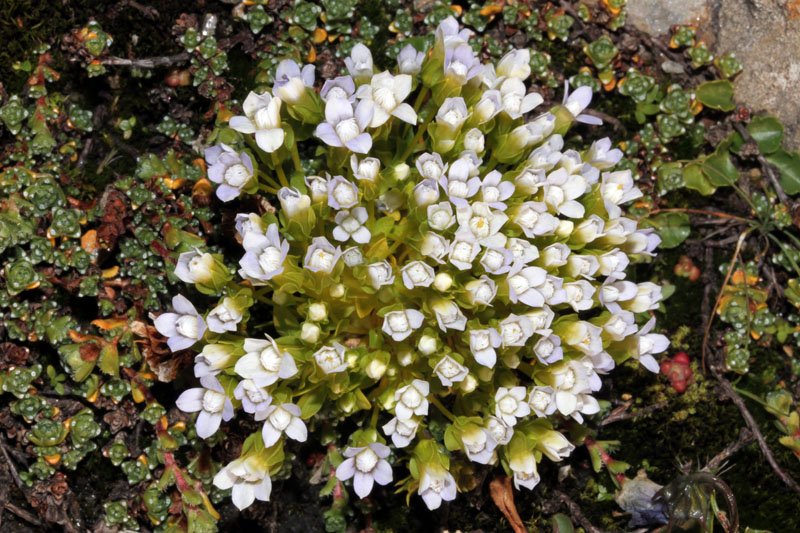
(450, 371)
(400, 324)
(534, 219)
(523, 283)
(331, 359)
(483, 344)
(409, 60)
(474, 141)
(648, 296)
(380, 274)
(584, 336)
(341, 87)
(561, 191)
(481, 291)
(515, 102)
(451, 115)
(463, 250)
(618, 188)
(417, 274)
(530, 180)
(230, 170)
(436, 484)
(497, 260)
(601, 156)
(460, 184)
(350, 225)
(184, 327)
(248, 479)
(525, 473)
(434, 246)
(402, 432)
(579, 295)
(584, 266)
(555, 255)
(440, 216)
(359, 63)
(249, 222)
(280, 420)
(255, 399)
(578, 101)
(554, 445)
(494, 191)
(353, 256)
(317, 187)
(613, 264)
(482, 223)
(367, 169)
(366, 465)
(225, 316)
(650, 344)
(387, 93)
(478, 444)
(262, 117)
(620, 325)
(212, 404)
(345, 125)
(427, 344)
(515, 64)
(426, 192)
(291, 82)
(412, 399)
(449, 316)
(321, 256)
(542, 401)
(488, 107)
(548, 348)
(264, 255)
(540, 318)
(213, 359)
(264, 362)
(195, 267)
(515, 330)
(501, 432)
(510, 404)
(430, 166)
(293, 203)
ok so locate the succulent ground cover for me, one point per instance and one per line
(114, 197)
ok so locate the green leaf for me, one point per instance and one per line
(696, 180)
(109, 359)
(719, 169)
(311, 402)
(561, 524)
(673, 228)
(716, 94)
(789, 166)
(767, 132)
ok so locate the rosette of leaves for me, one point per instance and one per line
(443, 273)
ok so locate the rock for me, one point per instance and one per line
(764, 35)
(657, 16)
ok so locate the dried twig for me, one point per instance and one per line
(148, 62)
(11, 467)
(621, 413)
(576, 513)
(745, 438)
(23, 514)
(729, 391)
(768, 171)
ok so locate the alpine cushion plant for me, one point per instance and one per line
(452, 279)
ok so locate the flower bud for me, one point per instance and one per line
(309, 333)
(317, 312)
(474, 141)
(293, 203)
(442, 281)
(427, 344)
(469, 384)
(401, 171)
(376, 369)
(337, 291)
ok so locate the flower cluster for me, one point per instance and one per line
(453, 276)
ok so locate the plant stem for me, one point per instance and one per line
(444, 410)
(279, 169)
(298, 165)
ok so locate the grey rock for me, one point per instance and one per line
(657, 16)
(763, 34)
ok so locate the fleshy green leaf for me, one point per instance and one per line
(716, 94)
(767, 132)
(695, 179)
(789, 166)
(719, 169)
(673, 228)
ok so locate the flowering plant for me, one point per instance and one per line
(442, 271)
